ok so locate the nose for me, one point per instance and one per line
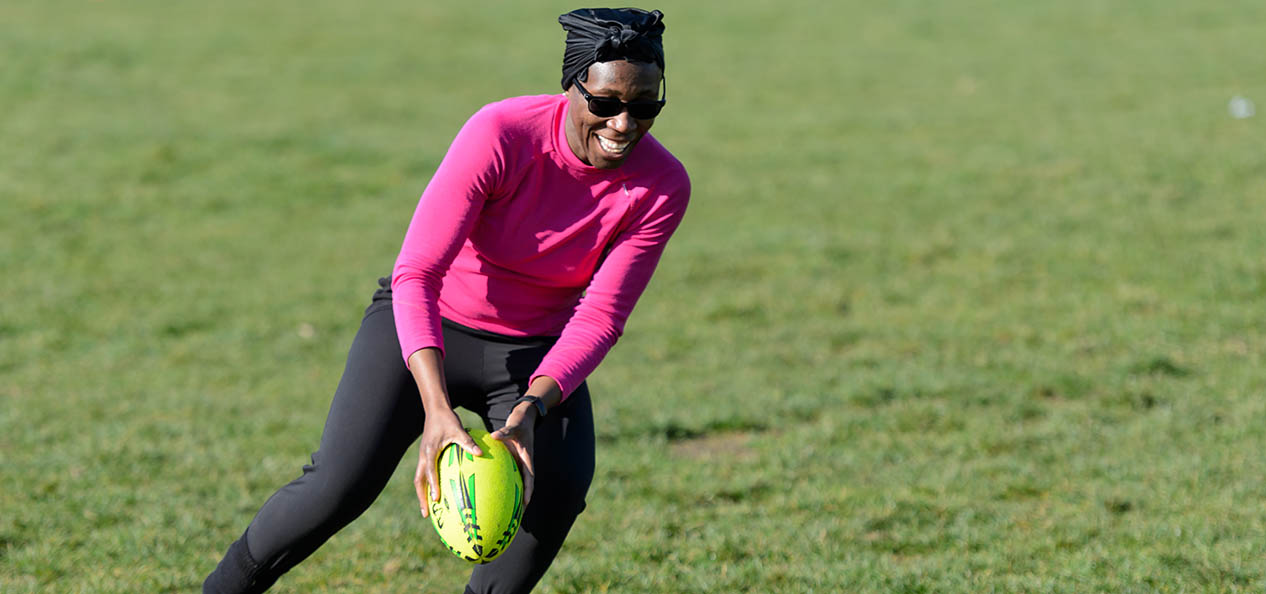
(621, 122)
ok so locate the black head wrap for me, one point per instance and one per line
(607, 34)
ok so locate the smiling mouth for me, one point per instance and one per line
(615, 148)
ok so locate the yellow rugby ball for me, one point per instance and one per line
(481, 499)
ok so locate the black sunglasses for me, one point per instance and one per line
(609, 107)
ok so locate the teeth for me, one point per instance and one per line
(611, 146)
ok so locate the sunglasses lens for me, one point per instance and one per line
(605, 107)
(644, 111)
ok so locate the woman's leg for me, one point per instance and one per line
(376, 414)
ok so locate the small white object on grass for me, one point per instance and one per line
(1241, 107)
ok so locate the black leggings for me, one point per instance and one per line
(377, 414)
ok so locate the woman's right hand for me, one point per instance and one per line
(441, 429)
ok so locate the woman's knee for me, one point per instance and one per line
(333, 489)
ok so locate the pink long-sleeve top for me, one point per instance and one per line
(515, 235)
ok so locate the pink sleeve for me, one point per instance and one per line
(445, 215)
(620, 280)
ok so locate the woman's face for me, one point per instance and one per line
(605, 142)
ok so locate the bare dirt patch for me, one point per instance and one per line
(715, 447)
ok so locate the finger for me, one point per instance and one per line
(417, 486)
(508, 434)
(431, 475)
(468, 444)
(525, 458)
(529, 483)
(433, 481)
(526, 470)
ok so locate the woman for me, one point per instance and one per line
(525, 256)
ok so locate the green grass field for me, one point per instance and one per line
(971, 296)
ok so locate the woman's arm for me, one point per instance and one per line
(616, 286)
(597, 323)
(445, 215)
(443, 219)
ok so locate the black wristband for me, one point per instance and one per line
(537, 402)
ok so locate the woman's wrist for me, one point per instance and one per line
(526, 412)
(546, 389)
(533, 406)
(529, 411)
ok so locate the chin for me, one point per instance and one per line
(605, 164)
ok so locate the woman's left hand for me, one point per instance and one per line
(518, 435)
